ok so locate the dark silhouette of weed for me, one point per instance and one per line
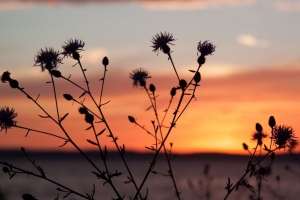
(49, 59)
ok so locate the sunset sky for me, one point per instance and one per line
(253, 74)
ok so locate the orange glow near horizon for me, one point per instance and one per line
(222, 118)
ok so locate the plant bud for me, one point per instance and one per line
(152, 88)
(105, 61)
(131, 119)
(166, 49)
(5, 169)
(89, 118)
(173, 92)
(68, 97)
(142, 83)
(258, 127)
(82, 110)
(197, 77)
(262, 171)
(272, 122)
(13, 83)
(75, 55)
(245, 146)
(201, 60)
(182, 83)
(56, 73)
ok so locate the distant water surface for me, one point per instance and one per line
(76, 173)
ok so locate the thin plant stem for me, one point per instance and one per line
(74, 83)
(259, 176)
(102, 87)
(169, 55)
(102, 118)
(87, 83)
(247, 171)
(62, 128)
(153, 103)
(83, 72)
(120, 152)
(45, 178)
(157, 152)
(272, 132)
(46, 133)
(148, 132)
(192, 96)
(56, 103)
(167, 110)
(80, 103)
(105, 164)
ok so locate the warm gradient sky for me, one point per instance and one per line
(253, 74)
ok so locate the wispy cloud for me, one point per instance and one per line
(15, 5)
(193, 4)
(251, 41)
(149, 4)
(287, 5)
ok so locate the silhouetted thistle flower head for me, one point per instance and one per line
(139, 77)
(5, 77)
(160, 42)
(259, 137)
(293, 144)
(283, 136)
(72, 48)
(7, 118)
(206, 48)
(47, 59)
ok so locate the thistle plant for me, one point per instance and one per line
(49, 60)
(281, 137)
(98, 126)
